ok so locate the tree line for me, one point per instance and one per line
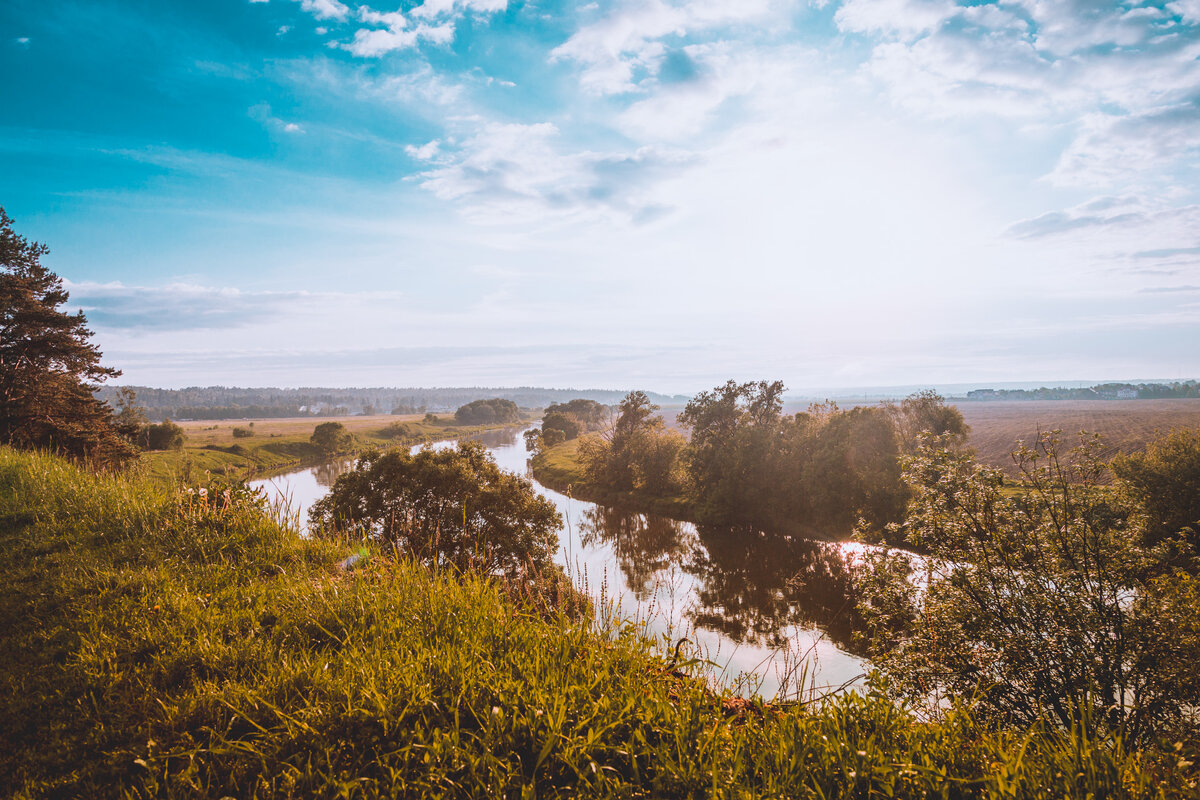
(1101, 391)
(746, 463)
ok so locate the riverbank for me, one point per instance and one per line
(561, 469)
(156, 644)
(256, 448)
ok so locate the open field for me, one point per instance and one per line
(285, 443)
(203, 432)
(1126, 425)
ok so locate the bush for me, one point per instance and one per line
(445, 507)
(488, 412)
(165, 435)
(1039, 605)
(242, 433)
(332, 437)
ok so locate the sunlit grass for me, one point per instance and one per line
(158, 644)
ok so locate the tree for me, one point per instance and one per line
(564, 423)
(926, 412)
(487, 412)
(732, 458)
(165, 435)
(1164, 480)
(588, 415)
(1035, 604)
(638, 454)
(48, 367)
(130, 418)
(331, 437)
(452, 507)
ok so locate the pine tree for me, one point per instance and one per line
(48, 366)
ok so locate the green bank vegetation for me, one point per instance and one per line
(237, 455)
(819, 472)
(158, 642)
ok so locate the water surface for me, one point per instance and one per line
(764, 608)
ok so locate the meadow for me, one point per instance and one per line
(213, 446)
(160, 642)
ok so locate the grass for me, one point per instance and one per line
(279, 444)
(156, 644)
(559, 468)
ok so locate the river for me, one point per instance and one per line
(772, 614)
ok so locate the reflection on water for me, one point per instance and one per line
(750, 587)
(643, 544)
(750, 603)
(325, 474)
(754, 587)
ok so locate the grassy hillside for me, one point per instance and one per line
(161, 643)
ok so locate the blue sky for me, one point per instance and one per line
(614, 194)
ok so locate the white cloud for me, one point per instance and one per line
(1188, 10)
(292, 127)
(435, 8)
(398, 34)
(326, 9)
(1110, 149)
(506, 172)
(904, 18)
(615, 50)
(376, 42)
(426, 152)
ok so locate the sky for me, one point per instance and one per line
(645, 194)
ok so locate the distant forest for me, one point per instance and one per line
(227, 402)
(1102, 391)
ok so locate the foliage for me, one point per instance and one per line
(129, 418)
(566, 425)
(48, 366)
(926, 412)
(445, 507)
(1036, 604)
(747, 465)
(240, 432)
(576, 416)
(841, 466)
(332, 437)
(487, 412)
(157, 646)
(1164, 479)
(395, 430)
(733, 457)
(162, 436)
(639, 454)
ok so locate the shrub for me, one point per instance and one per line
(331, 437)
(445, 507)
(165, 435)
(242, 433)
(1040, 604)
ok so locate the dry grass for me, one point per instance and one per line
(1127, 425)
(203, 432)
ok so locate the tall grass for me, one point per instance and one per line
(158, 645)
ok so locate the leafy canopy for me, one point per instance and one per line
(1036, 602)
(451, 506)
